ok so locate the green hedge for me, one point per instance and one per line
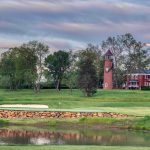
(145, 88)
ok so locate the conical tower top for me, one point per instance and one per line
(108, 54)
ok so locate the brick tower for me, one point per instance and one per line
(108, 65)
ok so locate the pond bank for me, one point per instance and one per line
(88, 122)
(58, 114)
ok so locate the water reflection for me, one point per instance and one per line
(75, 137)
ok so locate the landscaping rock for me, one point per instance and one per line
(50, 114)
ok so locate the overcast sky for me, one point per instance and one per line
(71, 24)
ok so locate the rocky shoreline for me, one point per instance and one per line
(57, 114)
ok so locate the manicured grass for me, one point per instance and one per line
(123, 101)
(66, 99)
(137, 111)
(71, 148)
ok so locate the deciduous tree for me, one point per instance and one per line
(57, 63)
(87, 76)
(40, 50)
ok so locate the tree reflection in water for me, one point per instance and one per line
(75, 137)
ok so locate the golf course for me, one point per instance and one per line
(135, 103)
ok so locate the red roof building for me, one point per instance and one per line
(138, 80)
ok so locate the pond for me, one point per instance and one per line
(104, 137)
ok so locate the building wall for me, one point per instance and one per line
(143, 80)
(108, 75)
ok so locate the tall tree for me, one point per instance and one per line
(8, 69)
(137, 60)
(70, 75)
(26, 72)
(98, 61)
(40, 50)
(87, 76)
(57, 64)
(19, 66)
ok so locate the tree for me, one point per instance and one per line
(138, 60)
(70, 75)
(8, 70)
(57, 64)
(87, 76)
(96, 51)
(18, 67)
(40, 50)
(26, 72)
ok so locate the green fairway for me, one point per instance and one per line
(71, 148)
(134, 102)
(52, 97)
(137, 111)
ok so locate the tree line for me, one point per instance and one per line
(26, 65)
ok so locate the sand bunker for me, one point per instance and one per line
(23, 106)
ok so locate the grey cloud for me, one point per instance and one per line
(75, 21)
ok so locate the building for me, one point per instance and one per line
(108, 66)
(138, 80)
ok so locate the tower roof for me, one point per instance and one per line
(142, 71)
(108, 53)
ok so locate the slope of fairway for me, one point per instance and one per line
(137, 111)
(124, 101)
(48, 96)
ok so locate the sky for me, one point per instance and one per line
(72, 24)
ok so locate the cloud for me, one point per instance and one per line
(72, 23)
(64, 44)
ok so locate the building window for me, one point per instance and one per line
(147, 77)
(146, 84)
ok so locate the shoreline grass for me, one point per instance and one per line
(91, 123)
(71, 147)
